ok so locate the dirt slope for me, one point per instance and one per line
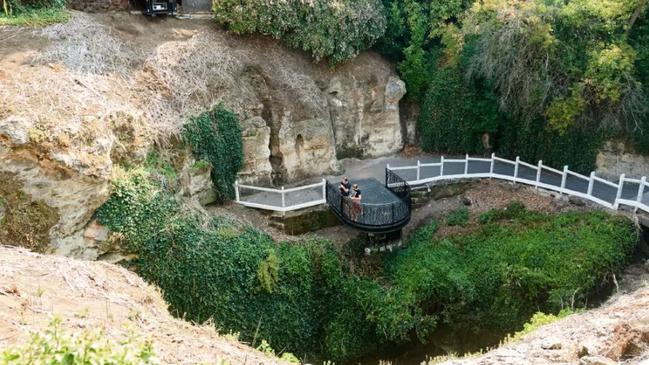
(90, 295)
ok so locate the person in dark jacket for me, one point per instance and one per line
(345, 186)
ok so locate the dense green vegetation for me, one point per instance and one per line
(542, 79)
(305, 297)
(336, 30)
(36, 12)
(215, 136)
(518, 263)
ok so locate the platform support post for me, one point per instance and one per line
(564, 177)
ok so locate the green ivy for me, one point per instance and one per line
(302, 296)
(215, 136)
(500, 275)
(336, 30)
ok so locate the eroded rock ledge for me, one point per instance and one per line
(100, 90)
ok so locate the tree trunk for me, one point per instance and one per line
(634, 17)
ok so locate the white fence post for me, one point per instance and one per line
(564, 177)
(516, 168)
(324, 189)
(619, 192)
(283, 198)
(441, 167)
(236, 190)
(418, 170)
(638, 199)
(466, 164)
(491, 168)
(591, 182)
(538, 173)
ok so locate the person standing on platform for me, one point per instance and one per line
(357, 208)
(345, 186)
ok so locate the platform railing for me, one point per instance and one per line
(370, 216)
(625, 191)
(277, 200)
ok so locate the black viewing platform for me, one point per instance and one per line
(382, 209)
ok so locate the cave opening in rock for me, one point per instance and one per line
(299, 146)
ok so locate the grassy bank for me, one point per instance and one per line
(36, 17)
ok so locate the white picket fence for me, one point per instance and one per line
(626, 191)
(594, 188)
(282, 200)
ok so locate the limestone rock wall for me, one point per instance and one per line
(78, 98)
(615, 159)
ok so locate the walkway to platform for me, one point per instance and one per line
(633, 192)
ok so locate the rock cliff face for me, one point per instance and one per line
(615, 159)
(100, 90)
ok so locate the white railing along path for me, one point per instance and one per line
(627, 191)
(276, 199)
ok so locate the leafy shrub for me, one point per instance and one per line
(425, 233)
(36, 12)
(456, 115)
(538, 320)
(288, 294)
(414, 32)
(578, 69)
(496, 277)
(515, 210)
(54, 347)
(336, 30)
(215, 136)
(458, 217)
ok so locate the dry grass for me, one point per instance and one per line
(96, 295)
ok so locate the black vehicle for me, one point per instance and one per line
(159, 7)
